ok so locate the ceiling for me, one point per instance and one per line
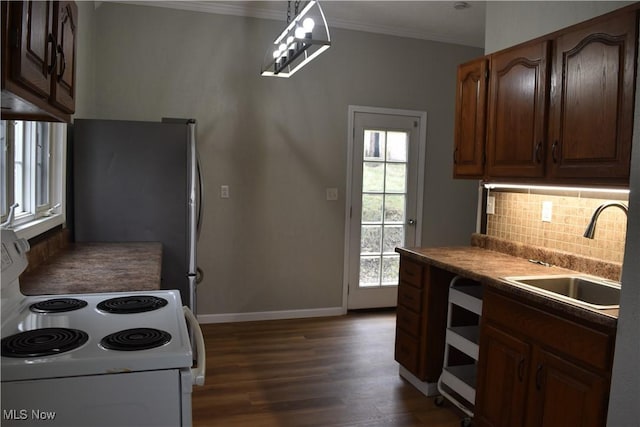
(429, 20)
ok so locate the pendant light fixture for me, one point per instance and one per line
(305, 37)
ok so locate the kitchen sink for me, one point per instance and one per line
(585, 290)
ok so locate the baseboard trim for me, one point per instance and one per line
(428, 389)
(270, 315)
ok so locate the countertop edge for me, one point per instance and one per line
(604, 318)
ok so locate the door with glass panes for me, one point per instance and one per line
(384, 208)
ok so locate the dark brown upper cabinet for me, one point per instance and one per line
(470, 127)
(517, 111)
(559, 108)
(592, 97)
(65, 28)
(33, 63)
(38, 60)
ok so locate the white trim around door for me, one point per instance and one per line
(420, 121)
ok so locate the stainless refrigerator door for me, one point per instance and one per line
(132, 184)
(193, 200)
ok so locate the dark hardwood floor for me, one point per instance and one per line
(334, 371)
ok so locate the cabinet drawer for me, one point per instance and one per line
(407, 351)
(410, 297)
(569, 338)
(408, 321)
(410, 272)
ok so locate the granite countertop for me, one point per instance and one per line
(97, 267)
(488, 267)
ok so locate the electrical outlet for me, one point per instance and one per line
(491, 205)
(332, 194)
(224, 191)
(547, 209)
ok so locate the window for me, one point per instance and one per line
(32, 163)
(384, 190)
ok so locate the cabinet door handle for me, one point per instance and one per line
(455, 156)
(521, 369)
(539, 377)
(537, 152)
(54, 57)
(64, 62)
(554, 148)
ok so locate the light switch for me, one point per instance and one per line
(224, 191)
(332, 194)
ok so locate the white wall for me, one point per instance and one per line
(276, 244)
(509, 23)
(85, 94)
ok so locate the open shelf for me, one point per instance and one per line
(465, 339)
(458, 382)
(467, 297)
(461, 379)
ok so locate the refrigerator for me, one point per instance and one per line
(137, 181)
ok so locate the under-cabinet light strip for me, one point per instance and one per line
(492, 186)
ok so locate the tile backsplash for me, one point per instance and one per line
(518, 217)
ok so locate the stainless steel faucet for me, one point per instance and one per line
(591, 228)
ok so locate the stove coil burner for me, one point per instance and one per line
(132, 304)
(57, 305)
(135, 339)
(43, 342)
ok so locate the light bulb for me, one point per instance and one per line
(300, 33)
(276, 53)
(292, 45)
(308, 24)
(282, 47)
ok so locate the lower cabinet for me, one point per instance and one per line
(502, 378)
(539, 369)
(565, 393)
(421, 318)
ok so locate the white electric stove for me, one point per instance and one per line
(104, 359)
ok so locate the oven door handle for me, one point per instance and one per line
(197, 373)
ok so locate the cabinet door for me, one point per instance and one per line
(565, 394)
(32, 59)
(470, 129)
(407, 352)
(591, 110)
(517, 112)
(63, 90)
(502, 378)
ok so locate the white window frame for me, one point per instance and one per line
(37, 219)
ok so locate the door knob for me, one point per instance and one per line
(412, 222)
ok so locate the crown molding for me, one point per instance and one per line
(412, 33)
(263, 13)
(215, 7)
